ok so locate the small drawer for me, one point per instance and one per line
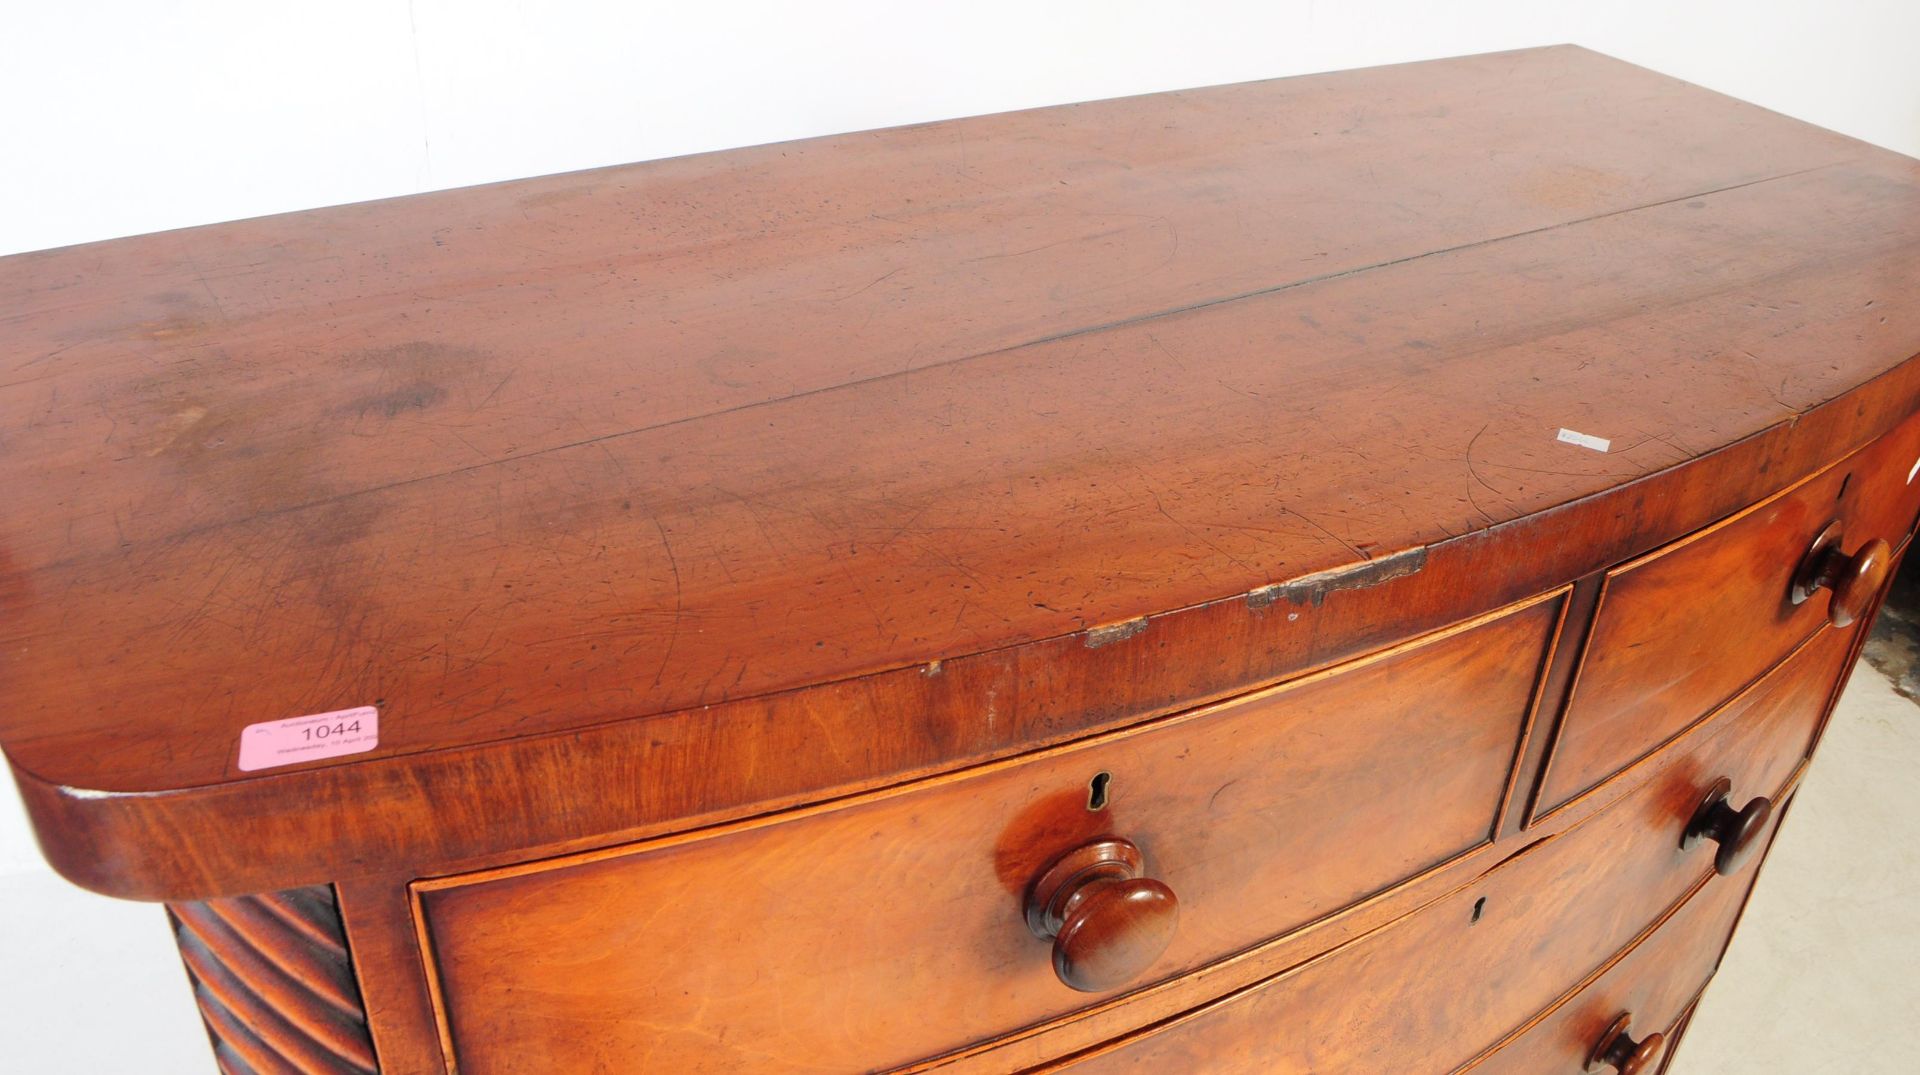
(1485, 959)
(1623, 1021)
(745, 947)
(1680, 630)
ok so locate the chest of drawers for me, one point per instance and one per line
(1342, 574)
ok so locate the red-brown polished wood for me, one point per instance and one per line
(1661, 653)
(275, 983)
(1296, 575)
(914, 907)
(1618, 1050)
(1853, 582)
(1651, 985)
(1107, 920)
(1431, 992)
(1736, 831)
(857, 441)
(1761, 737)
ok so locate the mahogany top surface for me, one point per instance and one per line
(530, 457)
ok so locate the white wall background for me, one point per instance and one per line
(125, 117)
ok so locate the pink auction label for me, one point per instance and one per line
(298, 739)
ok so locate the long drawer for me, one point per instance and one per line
(1623, 1018)
(893, 927)
(1434, 990)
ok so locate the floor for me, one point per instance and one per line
(91, 986)
(1821, 978)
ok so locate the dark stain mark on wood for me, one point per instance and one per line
(1313, 589)
(413, 396)
(1114, 632)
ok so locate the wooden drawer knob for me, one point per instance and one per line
(1853, 580)
(1107, 922)
(1736, 831)
(1617, 1050)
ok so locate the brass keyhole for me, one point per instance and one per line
(1097, 791)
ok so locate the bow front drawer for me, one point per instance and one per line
(1682, 629)
(1623, 1022)
(1484, 960)
(975, 904)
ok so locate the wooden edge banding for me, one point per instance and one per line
(1550, 705)
(1254, 987)
(1197, 713)
(1572, 993)
(118, 843)
(1564, 706)
(1788, 794)
(1785, 792)
(396, 978)
(436, 987)
(1288, 954)
(1544, 682)
(1861, 629)
(275, 983)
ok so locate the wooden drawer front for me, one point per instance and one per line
(746, 948)
(1434, 990)
(1680, 630)
(1652, 984)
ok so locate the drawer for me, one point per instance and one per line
(1434, 990)
(1650, 988)
(747, 947)
(1681, 629)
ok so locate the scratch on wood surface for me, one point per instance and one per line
(171, 429)
(1114, 632)
(1313, 589)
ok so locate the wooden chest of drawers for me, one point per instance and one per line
(1341, 574)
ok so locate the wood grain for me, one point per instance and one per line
(1655, 982)
(1684, 628)
(651, 478)
(910, 908)
(1437, 989)
(1432, 991)
(1363, 511)
(275, 984)
(378, 919)
(1442, 979)
(1760, 739)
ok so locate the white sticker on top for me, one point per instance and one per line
(311, 738)
(1584, 440)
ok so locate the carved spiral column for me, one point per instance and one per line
(275, 983)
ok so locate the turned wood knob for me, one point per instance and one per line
(1618, 1050)
(1852, 580)
(1736, 831)
(1107, 922)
